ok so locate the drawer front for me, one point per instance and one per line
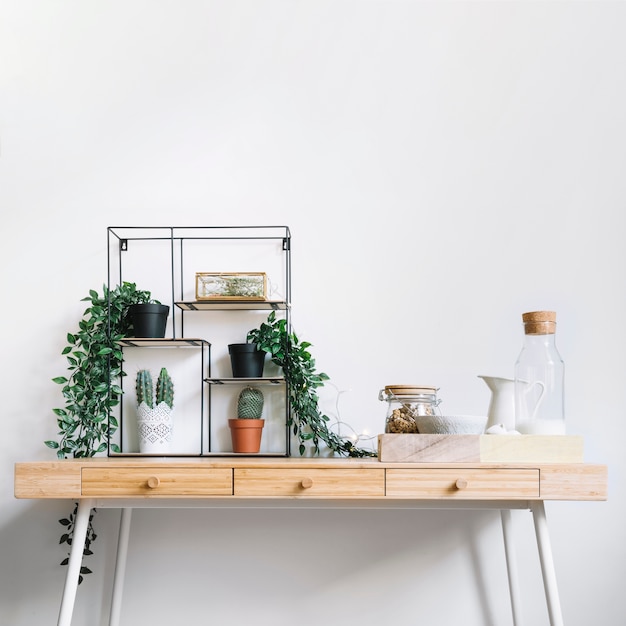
(460, 484)
(310, 483)
(171, 481)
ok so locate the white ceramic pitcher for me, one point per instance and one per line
(502, 403)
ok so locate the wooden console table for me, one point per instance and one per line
(128, 483)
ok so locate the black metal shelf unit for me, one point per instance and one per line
(164, 260)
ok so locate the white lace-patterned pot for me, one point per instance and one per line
(155, 428)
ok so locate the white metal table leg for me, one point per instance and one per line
(511, 566)
(547, 563)
(81, 524)
(120, 566)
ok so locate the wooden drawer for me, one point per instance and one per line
(150, 482)
(313, 482)
(463, 483)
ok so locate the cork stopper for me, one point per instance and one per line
(409, 390)
(539, 322)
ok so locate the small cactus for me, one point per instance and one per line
(165, 389)
(145, 389)
(250, 403)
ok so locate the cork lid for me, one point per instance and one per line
(539, 316)
(409, 390)
(539, 322)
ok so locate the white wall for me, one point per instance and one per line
(443, 167)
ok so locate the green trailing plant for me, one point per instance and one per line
(145, 389)
(307, 422)
(91, 389)
(94, 359)
(66, 537)
(250, 403)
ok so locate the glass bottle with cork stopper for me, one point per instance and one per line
(539, 378)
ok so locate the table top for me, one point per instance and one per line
(240, 477)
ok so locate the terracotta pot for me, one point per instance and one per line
(246, 434)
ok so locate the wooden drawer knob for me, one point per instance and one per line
(461, 483)
(153, 482)
(306, 483)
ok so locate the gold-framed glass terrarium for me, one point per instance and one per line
(231, 286)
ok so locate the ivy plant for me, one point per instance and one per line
(307, 422)
(91, 389)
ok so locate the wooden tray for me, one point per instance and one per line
(414, 448)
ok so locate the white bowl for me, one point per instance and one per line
(451, 424)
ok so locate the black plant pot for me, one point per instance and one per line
(246, 361)
(149, 320)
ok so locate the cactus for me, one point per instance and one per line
(165, 389)
(145, 389)
(250, 403)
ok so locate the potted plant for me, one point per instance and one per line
(149, 318)
(246, 429)
(306, 420)
(154, 411)
(246, 360)
(91, 389)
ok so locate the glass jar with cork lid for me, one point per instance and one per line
(539, 378)
(405, 403)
